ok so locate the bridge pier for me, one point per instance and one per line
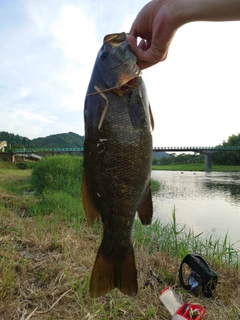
(208, 161)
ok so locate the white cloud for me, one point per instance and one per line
(74, 34)
(35, 117)
(75, 79)
(24, 92)
(49, 52)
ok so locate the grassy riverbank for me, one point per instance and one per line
(47, 254)
(195, 167)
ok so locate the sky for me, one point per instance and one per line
(48, 49)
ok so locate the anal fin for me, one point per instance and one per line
(145, 210)
(91, 213)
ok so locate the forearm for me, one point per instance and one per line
(205, 10)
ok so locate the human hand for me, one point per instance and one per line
(156, 25)
(159, 20)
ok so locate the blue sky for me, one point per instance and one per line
(48, 49)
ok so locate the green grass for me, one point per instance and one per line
(57, 181)
(195, 167)
(48, 254)
(179, 240)
(19, 187)
(155, 185)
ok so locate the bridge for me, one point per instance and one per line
(207, 151)
(197, 149)
(35, 154)
(155, 149)
(48, 150)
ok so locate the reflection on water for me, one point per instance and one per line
(204, 201)
(227, 185)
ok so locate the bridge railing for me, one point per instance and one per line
(196, 148)
(49, 150)
(177, 149)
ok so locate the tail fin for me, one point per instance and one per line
(114, 272)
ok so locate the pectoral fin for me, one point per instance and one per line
(91, 213)
(136, 110)
(151, 118)
(145, 210)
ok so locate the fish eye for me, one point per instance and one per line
(103, 55)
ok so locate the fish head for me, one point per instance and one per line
(117, 63)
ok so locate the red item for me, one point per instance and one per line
(177, 308)
(191, 311)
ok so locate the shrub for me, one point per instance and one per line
(23, 165)
(59, 173)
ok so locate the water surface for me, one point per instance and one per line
(207, 202)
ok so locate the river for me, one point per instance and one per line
(206, 202)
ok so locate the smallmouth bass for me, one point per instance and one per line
(117, 162)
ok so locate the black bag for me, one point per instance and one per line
(201, 273)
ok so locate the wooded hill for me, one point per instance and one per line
(62, 140)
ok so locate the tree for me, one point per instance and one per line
(228, 157)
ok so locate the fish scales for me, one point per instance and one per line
(117, 168)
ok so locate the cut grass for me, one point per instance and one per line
(46, 262)
(195, 167)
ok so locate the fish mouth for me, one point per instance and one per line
(128, 77)
(129, 84)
